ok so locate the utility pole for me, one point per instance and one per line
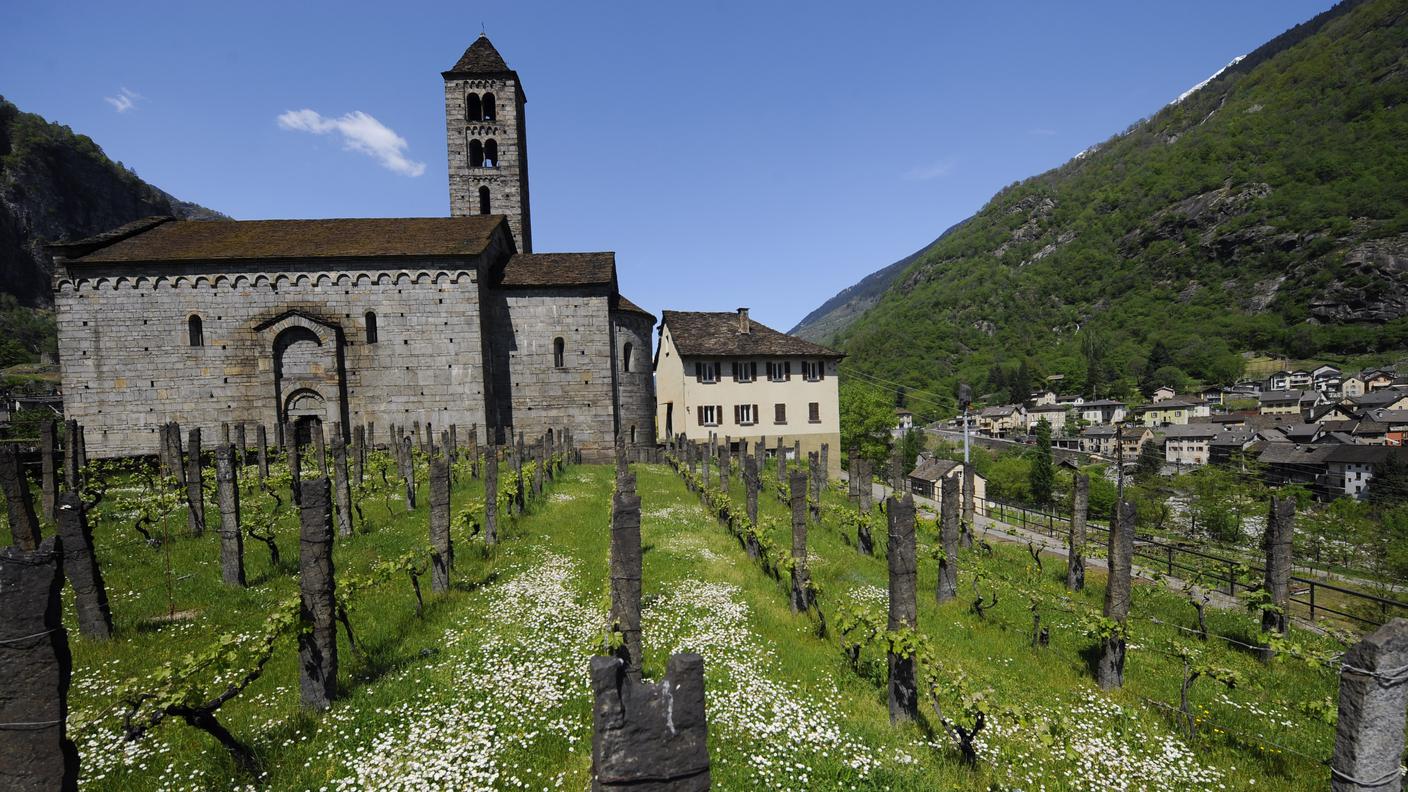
(965, 398)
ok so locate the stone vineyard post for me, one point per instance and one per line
(90, 596)
(317, 641)
(801, 578)
(342, 484)
(1075, 544)
(626, 570)
(1280, 530)
(491, 493)
(1109, 670)
(948, 536)
(195, 485)
(227, 493)
(48, 452)
(24, 525)
(1372, 704)
(35, 668)
(649, 736)
(903, 688)
(750, 487)
(442, 555)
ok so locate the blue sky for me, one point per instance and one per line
(754, 154)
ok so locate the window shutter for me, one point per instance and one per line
(756, 417)
(698, 372)
(735, 369)
(821, 370)
(787, 370)
(737, 418)
(701, 415)
(719, 412)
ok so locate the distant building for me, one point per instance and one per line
(1171, 411)
(1279, 402)
(724, 374)
(1163, 394)
(1103, 411)
(1054, 415)
(924, 480)
(1003, 420)
(1189, 444)
(904, 420)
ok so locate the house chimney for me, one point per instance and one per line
(743, 326)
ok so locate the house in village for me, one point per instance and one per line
(1002, 420)
(1171, 412)
(1054, 414)
(725, 375)
(1041, 398)
(929, 472)
(1130, 439)
(1189, 444)
(1326, 379)
(1103, 411)
(1163, 393)
(1279, 402)
(1228, 444)
(1211, 395)
(1395, 423)
(1329, 470)
(903, 420)
(1099, 439)
(1381, 399)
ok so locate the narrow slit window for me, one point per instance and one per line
(195, 331)
(559, 348)
(484, 200)
(371, 327)
(626, 358)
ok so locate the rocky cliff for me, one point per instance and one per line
(55, 184)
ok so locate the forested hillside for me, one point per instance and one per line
(1267, 211)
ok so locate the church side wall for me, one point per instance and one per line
(534, 394)
(128, 367)
(635, 384)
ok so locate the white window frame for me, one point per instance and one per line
(811, 370)
(777, 371)
(711, 410)
(747, 371)
(746, 416)
(708, 371)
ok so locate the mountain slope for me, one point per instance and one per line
(1266, 210)
(55, 184)
(837, 313)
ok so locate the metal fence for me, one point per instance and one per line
(1176, 559)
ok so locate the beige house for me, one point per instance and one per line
(925, 480)
(1002, 420)
(1054, 415)
(1189, 444)
(726, 375)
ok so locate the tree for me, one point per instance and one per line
(1159, 357)
(1092, 349)
(910, 445)
(1042, 474)
(1019, 387)
(901, 397)
(1150, 461)
(866, 419)
(1389, 486)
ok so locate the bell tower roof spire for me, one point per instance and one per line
(480, 60)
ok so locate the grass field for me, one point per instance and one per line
(488, 689)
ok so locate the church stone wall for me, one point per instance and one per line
(533, 394)
(636, 386)
(128, 367)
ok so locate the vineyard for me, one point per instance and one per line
(484, 685)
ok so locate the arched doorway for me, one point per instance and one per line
(306, 410)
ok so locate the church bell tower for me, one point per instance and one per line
(487, 141)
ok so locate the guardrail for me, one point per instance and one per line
(1175, 558)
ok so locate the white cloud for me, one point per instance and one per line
(361, 133)
(927, 172)
(125, 100)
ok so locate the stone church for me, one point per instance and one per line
(360, 321)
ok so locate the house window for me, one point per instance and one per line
(780, 371)
(483, 200)
(814, 412)
(558, 352)
(491, 153)
(195, 331)
(745, 414)
(489, 107)
(745, 370)
(706, 372)
(779, 413)
(813, 370)
(371, 327)
(626, 358)
(709, 414)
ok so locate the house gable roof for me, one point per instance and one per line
(715, 334)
